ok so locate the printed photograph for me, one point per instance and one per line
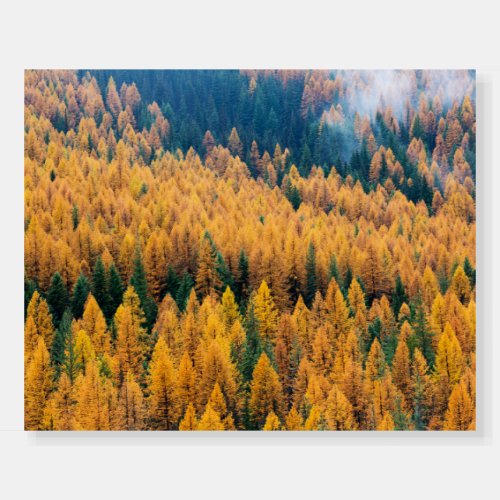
(265, 250)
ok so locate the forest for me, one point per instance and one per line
(249, 250)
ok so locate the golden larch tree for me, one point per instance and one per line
(163, 388)
(189, 422)
(37, 387)
(272, 422)
(94, 324)
(265, 392)
(460, 414)
(338, 412)
(210, 420)
(92, 409)
(266, 314)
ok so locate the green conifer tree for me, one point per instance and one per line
(311, 276)
(81, 291)
(57, 298)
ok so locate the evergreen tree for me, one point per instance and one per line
(333, 272)
(253, 346)
(185, 286)
(140, 284)
(115, 288)
(398, 296)
(292, 194)
(58, 348)
(311, 276)
(57, 298)
(81, 291)
(172, 282)
(470, 272)
(423, 334)
(100, 286)
(242, 279)
(75, 217)
(224, 274)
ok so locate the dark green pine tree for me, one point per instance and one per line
(224, 273)
(311, 275)
(470, 272)
(383, 170)
(172, 282)
(364, 161)
(389, 345)
(100, 287)
(292, 194)
(422, 332)
(399, 296)
(185, 286)
(75, 217)
(305, 160)
(347, 281)
(57, 298)
(81, 291)
(253, 346)
(333, 272)
(140, 284)
(115, 289)
(138, 279)
(417, 130)
(58, 348)
(242, 283)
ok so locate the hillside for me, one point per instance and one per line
(250, 249)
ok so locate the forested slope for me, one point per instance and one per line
(247, 250)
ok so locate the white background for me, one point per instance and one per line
(307, 34)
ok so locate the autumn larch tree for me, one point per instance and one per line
(266, 314)
(131, 411)
(189, 422)
(186, 386)
(210, 420)
(338, 413)
(234, 143)
(38, 310)
(60, 409)
(460, 415)
(38, 384)
(93, 403)
(272, 422)
(422, 391)
(265, 392)
(128, 353)
(94, 324)
(207, 278)
(163, 388)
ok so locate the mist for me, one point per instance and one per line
(368, 91)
